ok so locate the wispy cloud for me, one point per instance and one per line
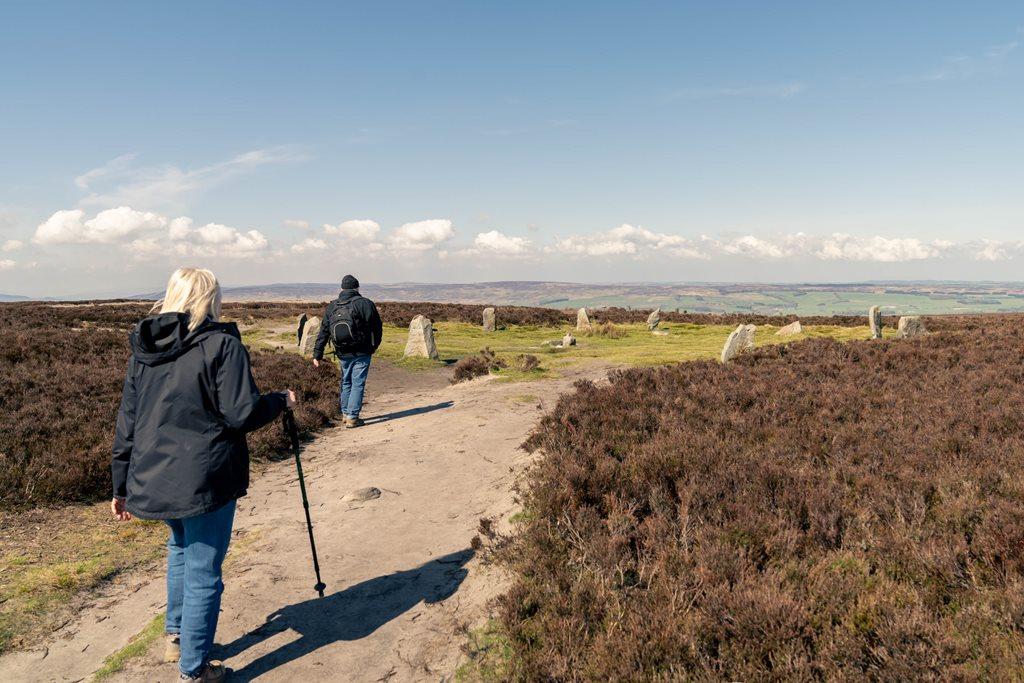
(119, 182)
(773, 90)
(963, 66)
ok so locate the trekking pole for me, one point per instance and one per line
(288, 418)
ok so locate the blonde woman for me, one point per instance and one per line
(180, 453)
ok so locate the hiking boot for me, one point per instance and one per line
(213, 672)
(353, 422)
(172, 649)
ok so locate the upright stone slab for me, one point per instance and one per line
(654, 319)
(790, 329)
(421, 339)
(583, 321)
(740, 339)
(490, 320)
(309, 333)
(910, 326)
(300, 324)
(875, 321)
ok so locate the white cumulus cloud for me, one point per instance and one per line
(422, 235)
(359, 229)
(882, 249)
(107, 227)
(309, 244)
(12, 245)
(7, 264)
(296, 224)
(628, 240)
(496, 243)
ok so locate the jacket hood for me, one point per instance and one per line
(348, 295)
(162, 338)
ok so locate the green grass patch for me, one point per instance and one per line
(48, 559)
(488, 653)
(632, 344)
(137, 647)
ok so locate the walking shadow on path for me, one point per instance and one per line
(387, 417)
(351, 614)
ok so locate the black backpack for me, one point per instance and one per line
(347, 328)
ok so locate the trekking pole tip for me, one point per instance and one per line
(319, 588)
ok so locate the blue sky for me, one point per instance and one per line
(476, 141)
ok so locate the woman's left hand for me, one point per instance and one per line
(120, 512)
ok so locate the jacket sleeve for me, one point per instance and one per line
(124, 434)
(324, 334)
(376, 326)
(239, 401)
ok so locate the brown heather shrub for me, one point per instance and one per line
(813, 511)
(476, 366)
(605, 329)
(59, 393)
(524, 362)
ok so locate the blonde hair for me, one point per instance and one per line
(194, 291)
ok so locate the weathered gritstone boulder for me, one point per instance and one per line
(300, 324)
(790, 329)
(421, 339)
(361, 495)
(654, 319)
(583, 321)
(309, 332)
(568, 340)
(910, 326)
(490, 320)
(660, 333)
(875, 321)
(740, 339)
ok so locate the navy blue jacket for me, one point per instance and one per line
(362, 308)
(189, 398)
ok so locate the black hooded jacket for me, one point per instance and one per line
(189, 399)
(362, 307)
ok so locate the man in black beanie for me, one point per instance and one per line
(354, 328)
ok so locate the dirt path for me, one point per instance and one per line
(402, 582)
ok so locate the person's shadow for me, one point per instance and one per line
(387, 417)
(350, 614)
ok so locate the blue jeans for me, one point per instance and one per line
(195, 553)
(354, 368)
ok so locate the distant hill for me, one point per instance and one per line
(798, 299)
(13, 297)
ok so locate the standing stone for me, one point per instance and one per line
(489, 320)
(740, 339)
(654, 319)
(568, 340)
(583, 321)
(790, 329)
(421, 339)
(910, 326)
(301, 323)
(309, 333)
(875, 320)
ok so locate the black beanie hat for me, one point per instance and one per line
(349, 282)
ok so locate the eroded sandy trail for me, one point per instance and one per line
(401, 578)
